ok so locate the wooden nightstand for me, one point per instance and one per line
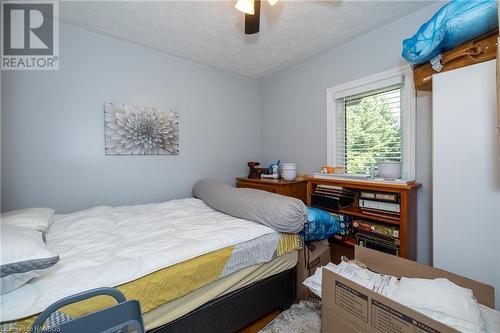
(296, 188)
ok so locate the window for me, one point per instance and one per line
(370, 120)
(369, 129)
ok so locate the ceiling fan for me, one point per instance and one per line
(251, 8)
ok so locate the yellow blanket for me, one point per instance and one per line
(162, 286)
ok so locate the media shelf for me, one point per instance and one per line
(350, 241)
(406, 221)
(357, 212)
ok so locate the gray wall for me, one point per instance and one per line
(53, 130)
(294, 105)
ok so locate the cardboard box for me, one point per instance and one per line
(318, 254)
(348, 307)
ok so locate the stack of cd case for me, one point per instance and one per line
(331, 197)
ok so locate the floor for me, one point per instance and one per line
(261, 323)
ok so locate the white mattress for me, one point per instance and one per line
(106, 247)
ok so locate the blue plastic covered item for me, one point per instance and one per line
(322, 225)
(455, 23)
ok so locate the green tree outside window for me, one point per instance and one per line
(373, 130)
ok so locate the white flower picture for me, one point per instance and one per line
(133, 130)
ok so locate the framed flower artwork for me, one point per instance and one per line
(140, 130)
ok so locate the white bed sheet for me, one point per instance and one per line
(108, 246)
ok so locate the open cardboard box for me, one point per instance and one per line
(348, 307)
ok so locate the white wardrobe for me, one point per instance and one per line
(466, 174)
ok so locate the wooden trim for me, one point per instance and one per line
(479, 50)
(357, 212)
(367, 185)
(295, 189)
(258, 325)
(271, 181)
(403, 227)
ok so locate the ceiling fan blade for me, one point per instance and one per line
(252, 22)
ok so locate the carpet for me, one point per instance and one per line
(304, 317)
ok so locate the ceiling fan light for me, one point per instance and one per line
(273, 2)
(245, 6)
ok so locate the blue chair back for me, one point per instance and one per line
(123, 317)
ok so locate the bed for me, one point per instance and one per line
(191, 267)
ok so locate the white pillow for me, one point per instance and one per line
(24, 256)
(35, 218)
(442, 300)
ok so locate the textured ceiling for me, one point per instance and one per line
(211, 32)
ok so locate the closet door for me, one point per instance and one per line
(466, 174)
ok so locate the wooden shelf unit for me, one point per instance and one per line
(480, 49)
(407, 220)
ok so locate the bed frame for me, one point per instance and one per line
(232, 312)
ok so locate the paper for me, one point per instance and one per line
(382, 284)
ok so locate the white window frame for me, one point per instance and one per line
(402, 74)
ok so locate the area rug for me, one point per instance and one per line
(304, 317)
